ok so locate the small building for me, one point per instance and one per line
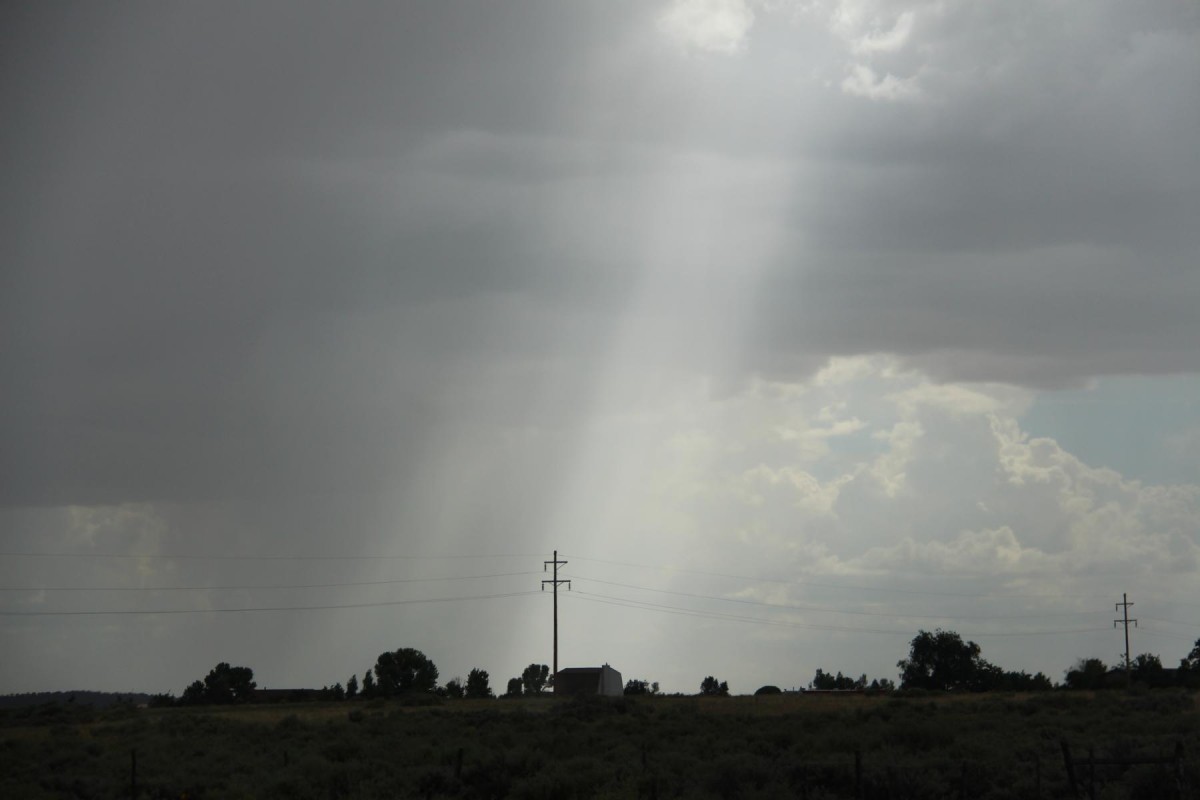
(604, 681)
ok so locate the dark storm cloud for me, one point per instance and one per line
(1024, 216)
(294, 240)
(176, 284)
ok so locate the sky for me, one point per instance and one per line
(794, 327)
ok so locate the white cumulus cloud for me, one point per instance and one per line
(716, 26)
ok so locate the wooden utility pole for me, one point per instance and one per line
(1125, 604)
(554, 583)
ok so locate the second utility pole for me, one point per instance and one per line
(555, 582)
(1125, 604)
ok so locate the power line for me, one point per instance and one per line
(254, 586)
(840, 586)
(629, 603)
(1149, 631)
(1144, 618)
(125, 612)
(716, 615)
(828, 610)
(227, 557)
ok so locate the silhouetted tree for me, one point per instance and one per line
(368, 685)
(454, 688)
(351, 688)
(713, 688)
(942, 660)
(193, 695)
(1147, 669)
(162, 700)
(1088, 673)
(514, 687)
(1193, 658)
(823, 680)
(226, 684)
(1188, 673)
(633, 687)
(477, 684)
(1021, 682)
(223, 684)
(534, 678)
(405, 670)
(767, 690)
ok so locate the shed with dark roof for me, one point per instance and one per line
(604, 681)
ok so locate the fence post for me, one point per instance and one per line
(1074, 784)
(458, 764)
(1037, 776)
(133, 774)
(858, 787)
(1092, 773)
(1179, 767)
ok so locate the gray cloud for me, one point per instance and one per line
(377, 274)
(193, 190)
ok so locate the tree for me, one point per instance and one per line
(534, 678)
(1088, 673)
(514, 687)
(351, 688)
(1193, 658)
(226, 684)
(454, 688)
(403, 671)
(633, 687)
(1189, 668)
(942, 661)
(477, 684)
(711, 687)
(193, 695)
(824, 681)
(767, 690)
(1147, 669)
(368, 686)
(1022, 682)
(223, 684)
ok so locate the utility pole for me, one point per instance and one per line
(1125, 604)
(554, 583)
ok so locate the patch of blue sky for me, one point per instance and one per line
(846, 453)
(1145, 427)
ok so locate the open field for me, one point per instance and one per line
(972, 746)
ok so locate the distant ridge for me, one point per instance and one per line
(78, 697)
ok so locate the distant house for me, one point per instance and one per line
(603, 680)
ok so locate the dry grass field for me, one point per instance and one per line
(822, 746)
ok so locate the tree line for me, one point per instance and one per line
(937, 661)
(403, 672)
